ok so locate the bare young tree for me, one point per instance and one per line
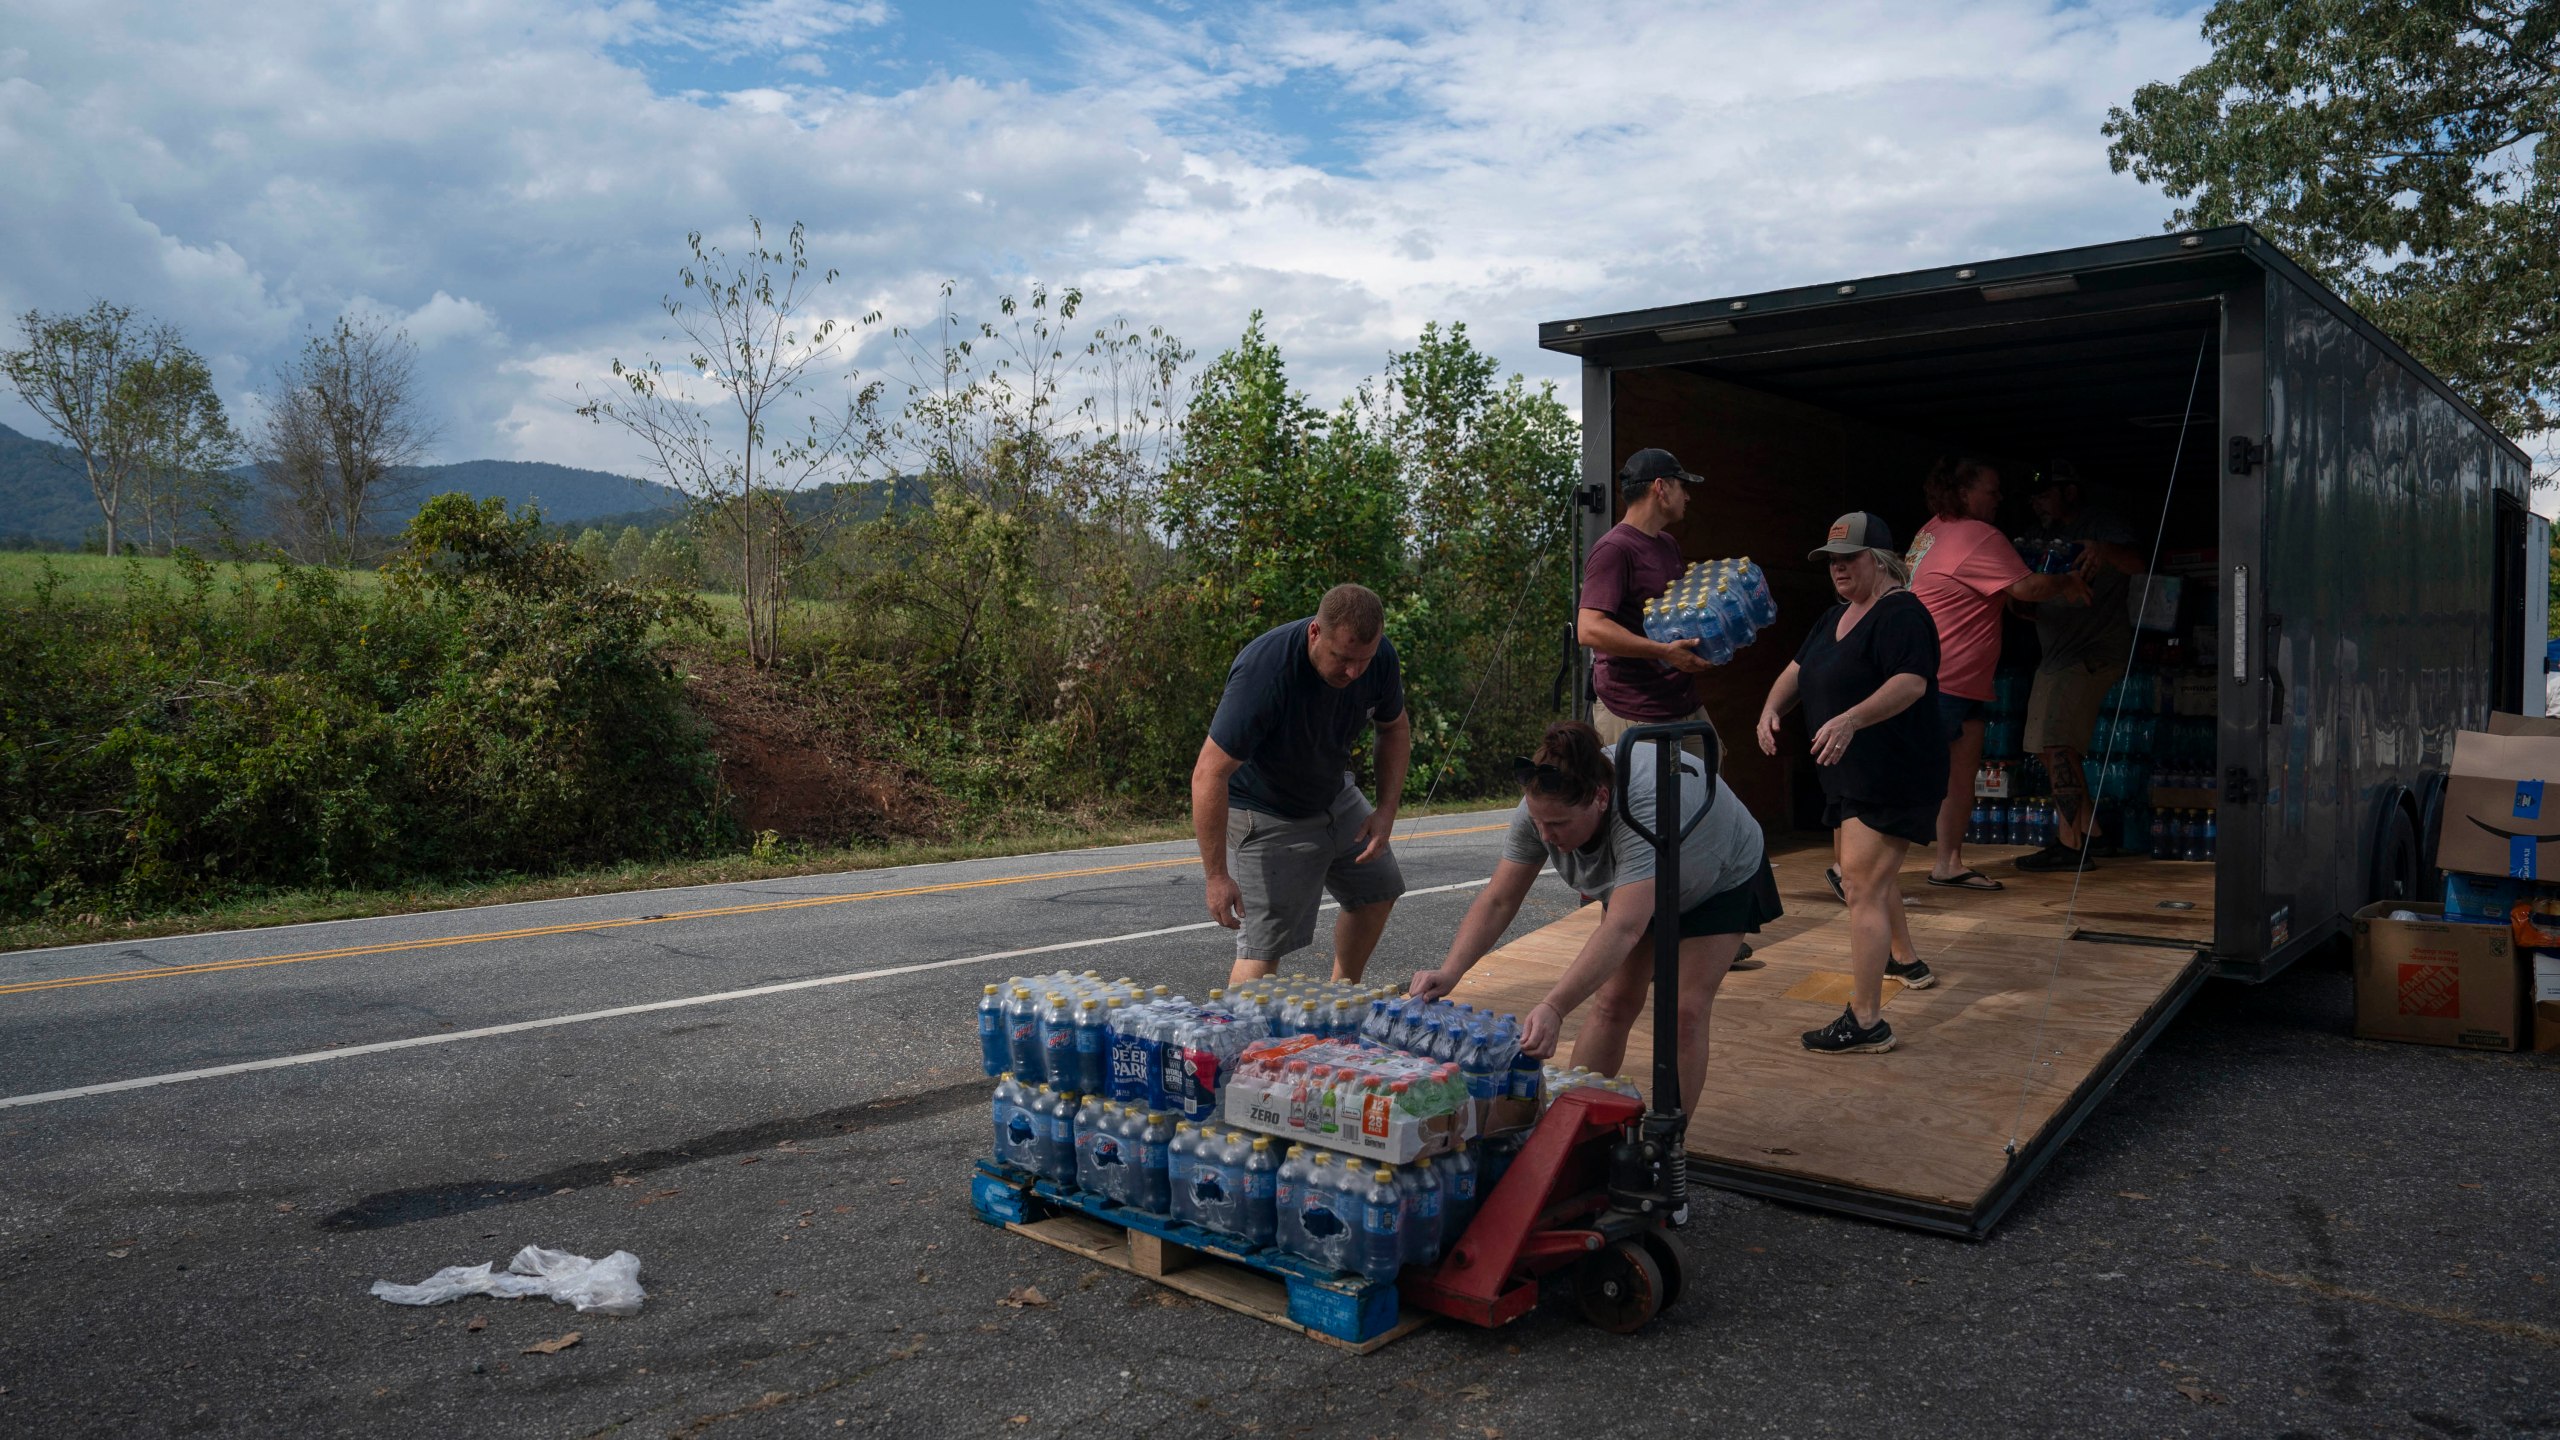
(748, 352)
(343, 431)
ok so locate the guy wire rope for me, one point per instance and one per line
(2150, 573)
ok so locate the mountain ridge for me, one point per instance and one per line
(44, 496)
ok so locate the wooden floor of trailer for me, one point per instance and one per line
(2023, 1022)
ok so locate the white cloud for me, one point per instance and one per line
(514, 183)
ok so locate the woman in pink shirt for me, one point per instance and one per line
(1965, 571)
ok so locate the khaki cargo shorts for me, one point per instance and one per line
(2062, 709)
(1611, 727)
(1286, 867)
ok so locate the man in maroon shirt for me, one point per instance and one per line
(1638, 681)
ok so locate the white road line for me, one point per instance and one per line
(315, 1057)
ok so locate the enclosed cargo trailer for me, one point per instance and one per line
(2355, 535)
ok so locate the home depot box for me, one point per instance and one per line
(2433, 982)
(2495, 822)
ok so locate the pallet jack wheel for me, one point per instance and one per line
(1674, 1263)
(1621, 1288)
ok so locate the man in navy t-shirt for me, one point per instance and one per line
(1280, 820)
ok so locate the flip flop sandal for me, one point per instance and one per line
(1967, 880)
(1745, 961)
(1831, 877)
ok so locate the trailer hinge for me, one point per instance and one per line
(2239, 787)
(1593, 498)
(2247, 454)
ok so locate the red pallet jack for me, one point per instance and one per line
(1602, 1178)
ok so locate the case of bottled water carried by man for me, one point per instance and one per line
(1721, 604)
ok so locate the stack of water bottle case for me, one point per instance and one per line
(1348, 1126)
(1721, 604)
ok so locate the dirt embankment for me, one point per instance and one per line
(799, 763)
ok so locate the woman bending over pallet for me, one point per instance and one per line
(1565, 820)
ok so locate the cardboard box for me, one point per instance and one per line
(2154, 605)
(2495, 821)
(2546, 978)
(2434, 982)
(2546, 1026)
(1375, 1130)
(2483, 899)
(2502, 723)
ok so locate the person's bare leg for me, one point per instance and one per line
(1601, 1047)
(1903, 949)
(1245, 972)
(2074, 809)
(1355, 937)
(1704, 959)
(1964, 757)
(1872, 863)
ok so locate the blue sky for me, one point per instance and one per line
(511, 182)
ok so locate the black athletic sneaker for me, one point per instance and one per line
(1914, 975)
(1845, 1036)
(2055, 857)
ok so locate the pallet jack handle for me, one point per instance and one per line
(1665, 1127)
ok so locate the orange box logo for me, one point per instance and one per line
(1374, 1116)
(2432, 992)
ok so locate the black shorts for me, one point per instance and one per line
(1915, 823)
(1741, 910)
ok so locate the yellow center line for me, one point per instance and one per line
(805, 902)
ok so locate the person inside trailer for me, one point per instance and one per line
(1964, 570)
(2085, 651)
(1565, 820)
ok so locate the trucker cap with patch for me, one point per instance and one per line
(1854, 532)
(1646, 466)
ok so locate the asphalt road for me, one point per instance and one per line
(2271, 1229)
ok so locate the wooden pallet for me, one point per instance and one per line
(1344, 1311)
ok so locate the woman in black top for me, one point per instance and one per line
(1867, 675)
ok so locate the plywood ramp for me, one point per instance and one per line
(2164, 900)
(2023, 1029)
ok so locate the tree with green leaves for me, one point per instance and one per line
(1274, 501)
(754, 343)
(2399, 151)
(139, 409)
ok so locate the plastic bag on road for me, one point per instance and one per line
(611, 1284)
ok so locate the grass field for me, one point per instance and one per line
(95, 578)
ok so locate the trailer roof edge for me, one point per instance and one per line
(2171, 249)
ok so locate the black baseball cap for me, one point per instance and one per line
(1646, 466)
(1854, 532)
(2047, 476)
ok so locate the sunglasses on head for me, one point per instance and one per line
(1534, 776)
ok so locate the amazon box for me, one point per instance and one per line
(2433, 982)
(2497, 821)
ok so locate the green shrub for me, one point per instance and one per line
(496, 706)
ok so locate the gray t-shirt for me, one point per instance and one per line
(2102, 630)
(1723, 852)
